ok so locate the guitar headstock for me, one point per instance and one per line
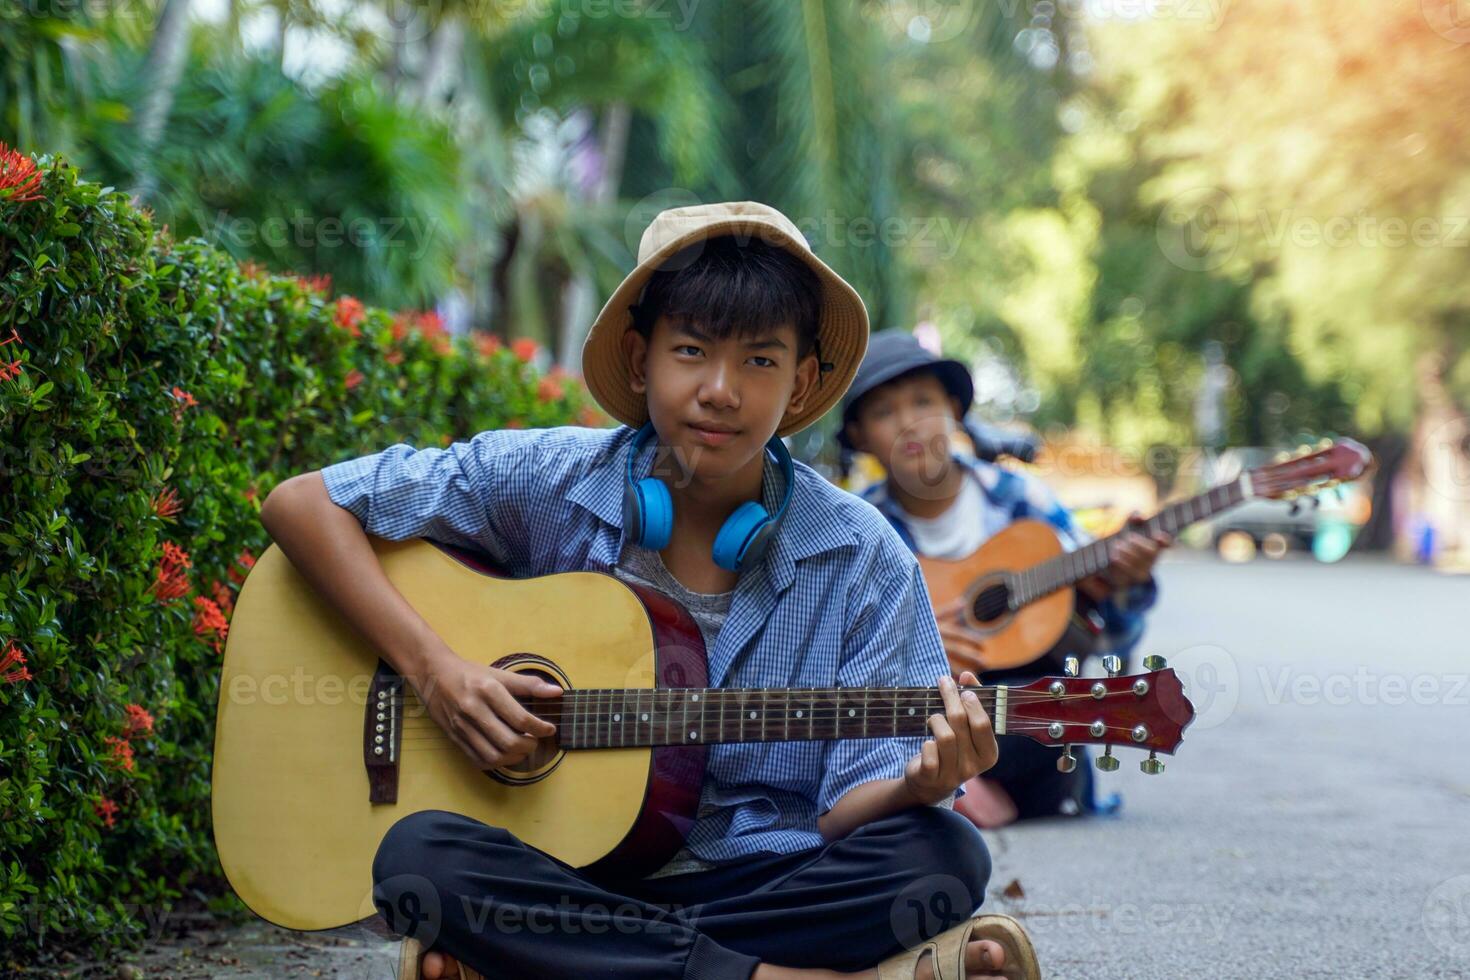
(1143, 711)
(1332, 463)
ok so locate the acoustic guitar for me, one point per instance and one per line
(1016, 593)
(320, 746)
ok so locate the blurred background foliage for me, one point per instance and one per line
(1106, 213)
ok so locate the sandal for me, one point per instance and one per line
(411, 958)
(947, 951)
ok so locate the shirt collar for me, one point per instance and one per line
(808, 529)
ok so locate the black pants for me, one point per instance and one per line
(512, 911)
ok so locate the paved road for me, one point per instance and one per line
(1316, 821)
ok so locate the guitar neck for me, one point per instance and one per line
(1068, 569)
(618, 718)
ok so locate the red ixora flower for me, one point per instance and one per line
(394, 357)
(549, 389)
(317, 284)
(9, 371)
(171, 581)
(122, 751)
(140, 722)
(588, 416)
(210, 623)
(222, 596)
(13, 665)
(246, 561)
(106, 811)
(182, 400)
(428, 324)
(525, 348)
(19, 179)
(353, 379)
(349, 314)
(487, 343)
(166, 503)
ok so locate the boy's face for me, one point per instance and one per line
(906, 423)
(716, 403)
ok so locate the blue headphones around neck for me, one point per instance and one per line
(648, 512)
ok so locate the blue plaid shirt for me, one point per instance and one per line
(837, 601)
(1013, 496)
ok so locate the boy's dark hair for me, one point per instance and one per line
(735, 288)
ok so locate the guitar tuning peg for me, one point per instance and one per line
(1283, 456)
(1107, 762)
(1316, 502)
(1303, 449)
(1152, 766)
(1324, 444)
(1154, 662)
(1071, 667)
(1296, 508)
(1067, 762)
(1113, 664)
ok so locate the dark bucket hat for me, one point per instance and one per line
(893, 354)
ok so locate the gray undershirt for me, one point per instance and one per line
(642, 566)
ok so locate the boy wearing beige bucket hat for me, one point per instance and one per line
(803, 858)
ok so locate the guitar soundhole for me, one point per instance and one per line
(542, 755)
(547, 754)
(992, 603)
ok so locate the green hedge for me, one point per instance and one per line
(152, 393)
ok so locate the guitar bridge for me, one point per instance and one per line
(382, 734)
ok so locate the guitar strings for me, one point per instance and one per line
(608, 719)
(1017, 722)
(1021, 726)
(905, 696)
(601, 708)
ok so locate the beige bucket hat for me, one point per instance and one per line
(842, 331)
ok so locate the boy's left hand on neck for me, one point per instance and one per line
(1133, 555)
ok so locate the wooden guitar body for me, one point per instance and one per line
(293, 821)
(321, 747)
(1016, 592)
(974, 590)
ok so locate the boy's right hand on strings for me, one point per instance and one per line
(960, 641)
(476, 706)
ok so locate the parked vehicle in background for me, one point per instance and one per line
(1323, 523)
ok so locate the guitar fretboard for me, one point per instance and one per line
(1074, 566)
(617, 718)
